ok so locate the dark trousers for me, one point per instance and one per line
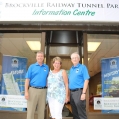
(78, 106)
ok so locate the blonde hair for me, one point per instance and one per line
(57, 59)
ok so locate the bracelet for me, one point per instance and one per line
(83, 93)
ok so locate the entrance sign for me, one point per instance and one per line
(63, 10)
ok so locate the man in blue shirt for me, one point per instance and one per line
(78, 84)
(35, 87)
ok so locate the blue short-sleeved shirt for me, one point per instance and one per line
(78, 74)
(37, 74)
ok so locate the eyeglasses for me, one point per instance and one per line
(57, 63)
(74, 58)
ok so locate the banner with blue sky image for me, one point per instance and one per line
(13, 78)
(110, 80)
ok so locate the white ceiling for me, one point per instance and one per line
(109, 48)
(15, 44)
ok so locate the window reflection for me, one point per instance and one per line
(109, 47)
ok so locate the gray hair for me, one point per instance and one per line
(75, 53)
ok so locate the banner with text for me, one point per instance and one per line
(106, 104)
(110, 80)
(13, 101)
(63, 10)
(13, 77)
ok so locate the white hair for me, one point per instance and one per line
(75, 53)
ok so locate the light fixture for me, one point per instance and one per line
(92, 46)
(34, 45)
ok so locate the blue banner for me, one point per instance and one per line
(110, 80)
(13, 78)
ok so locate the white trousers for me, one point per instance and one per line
(55, 108)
